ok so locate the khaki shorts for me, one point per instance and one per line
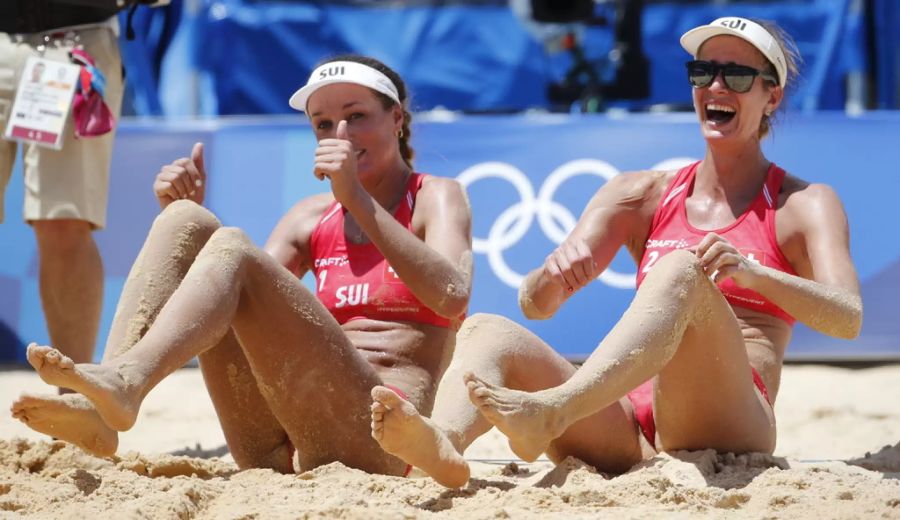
(71, 183)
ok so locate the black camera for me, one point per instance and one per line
(626, 58)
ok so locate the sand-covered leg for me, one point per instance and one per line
(235, 394)
(177, 235)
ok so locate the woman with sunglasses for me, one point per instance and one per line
(288, 369)
(731, 251)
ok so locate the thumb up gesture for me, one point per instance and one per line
(336, 160)
(184, 178)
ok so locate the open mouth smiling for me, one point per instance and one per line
(718, 113)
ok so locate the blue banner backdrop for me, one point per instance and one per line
(528, 177)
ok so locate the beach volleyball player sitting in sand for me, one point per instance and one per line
(288, 369)
(731, 251)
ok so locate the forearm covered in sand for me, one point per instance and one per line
(438, 282)
(834, 311)
(539, 296)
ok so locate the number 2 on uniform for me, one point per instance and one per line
(322, 274)
(653, 257)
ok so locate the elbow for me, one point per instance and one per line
(453, 308)
(855, 323)
(851, 331)
(529, 309)
(533, 313)
(454, 301)
(851, 325)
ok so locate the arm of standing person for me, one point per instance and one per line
(619, 213)
(825, 296)
(438, 267)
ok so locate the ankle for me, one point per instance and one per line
(457, 439)
(127, 382)
(558, 411)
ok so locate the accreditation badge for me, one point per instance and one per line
(42, 102)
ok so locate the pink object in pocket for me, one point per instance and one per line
(91, 115)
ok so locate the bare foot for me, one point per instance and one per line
(402, 432)
(50, 363)
(115, 400)
(70, 417)
(529, 423)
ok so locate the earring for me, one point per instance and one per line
(400, 134)
(768, 113)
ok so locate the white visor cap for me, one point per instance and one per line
(745, 29)
(343, 72)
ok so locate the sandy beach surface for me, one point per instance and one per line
(838, 456)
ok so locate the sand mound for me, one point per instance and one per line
(155, 476)
(54, 479)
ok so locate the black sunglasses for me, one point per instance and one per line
(738, 78)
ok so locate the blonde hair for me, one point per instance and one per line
(792, 61)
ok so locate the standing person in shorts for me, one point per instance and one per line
(731, 252)
(65, 190)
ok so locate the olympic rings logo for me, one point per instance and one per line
(555, 220)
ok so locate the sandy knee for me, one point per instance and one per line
(483, 337)
(680, 268)
(680, 260)
(497, 333)
(227, 242)
(185, 227)
(229, 237)
(186, 214)
(483, 326)
(226, 253)
(188, 211)
(497, 349)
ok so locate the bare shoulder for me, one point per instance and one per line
(289, 241)
(808, 209)
(638, 189)
(654, 181)
(441, 188)
(311, 207)
(626, 203)
(441, 197)
(801, 197)
(301, 219)
(443, 200)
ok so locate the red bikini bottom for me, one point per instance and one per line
(642, 400)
